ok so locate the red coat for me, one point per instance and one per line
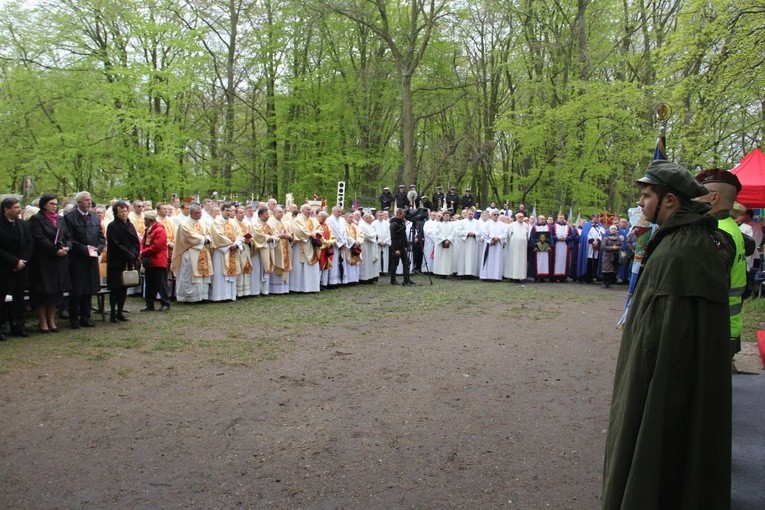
(154, 245)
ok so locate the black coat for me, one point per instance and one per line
(123, 252)
(386, 199)
(15, 244)
(401, 199)
(398, 239)
(82, 266)
(49, 273)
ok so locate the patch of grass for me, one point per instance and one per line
(100, 356)
(170, 345)
(754, 319)
(251, 330)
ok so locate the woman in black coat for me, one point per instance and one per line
(124, 248)
(49, 267)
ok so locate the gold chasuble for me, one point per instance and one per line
(137, 221)
(224, 233)
(282, 249)
(265, 243)
(355, 253)
(191, 233)
(302, 231)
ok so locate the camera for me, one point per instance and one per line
(416, 215)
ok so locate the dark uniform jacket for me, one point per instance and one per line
(438, 199)
(386, 199)
(452, 200)
(669, 434)
(84, 231)
(15, 244)
(401, 199)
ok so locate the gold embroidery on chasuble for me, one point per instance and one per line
(204, 255)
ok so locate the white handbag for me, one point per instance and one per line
(130, 278)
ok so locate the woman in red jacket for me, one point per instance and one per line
(154, 259)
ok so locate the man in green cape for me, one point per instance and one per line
(669, 433)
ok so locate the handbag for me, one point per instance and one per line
(130, 278)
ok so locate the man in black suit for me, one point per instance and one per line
(399, 243)
(87, 243)
(16, 249)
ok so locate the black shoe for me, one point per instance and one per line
(410, 282)
(121, 318)
(2, 336)
(393, 282)
(22, 332)
(113, 318)
(164, 308)
(146, 309)
(74, 325)
(87, 324)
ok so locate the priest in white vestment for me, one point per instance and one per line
(338, 273)
(369, 269)
(191, 264)
(457, 241)
(443, 245)
(429, 230)
(493, 255)
(471, 236)
(518, 238)
(382, 227)
(562, 238)
(352, 251)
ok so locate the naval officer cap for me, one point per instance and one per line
(673, 177)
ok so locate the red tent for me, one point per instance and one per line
(751, 173)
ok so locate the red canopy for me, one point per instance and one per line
(751, 173)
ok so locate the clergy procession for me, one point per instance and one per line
(222, 251)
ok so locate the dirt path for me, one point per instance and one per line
(477, 406)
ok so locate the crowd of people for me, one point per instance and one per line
(218, 251)
(669, 432)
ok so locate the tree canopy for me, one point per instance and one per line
(549, 102)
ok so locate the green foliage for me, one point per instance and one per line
(543, 102)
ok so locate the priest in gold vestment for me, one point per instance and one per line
(191, 263)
